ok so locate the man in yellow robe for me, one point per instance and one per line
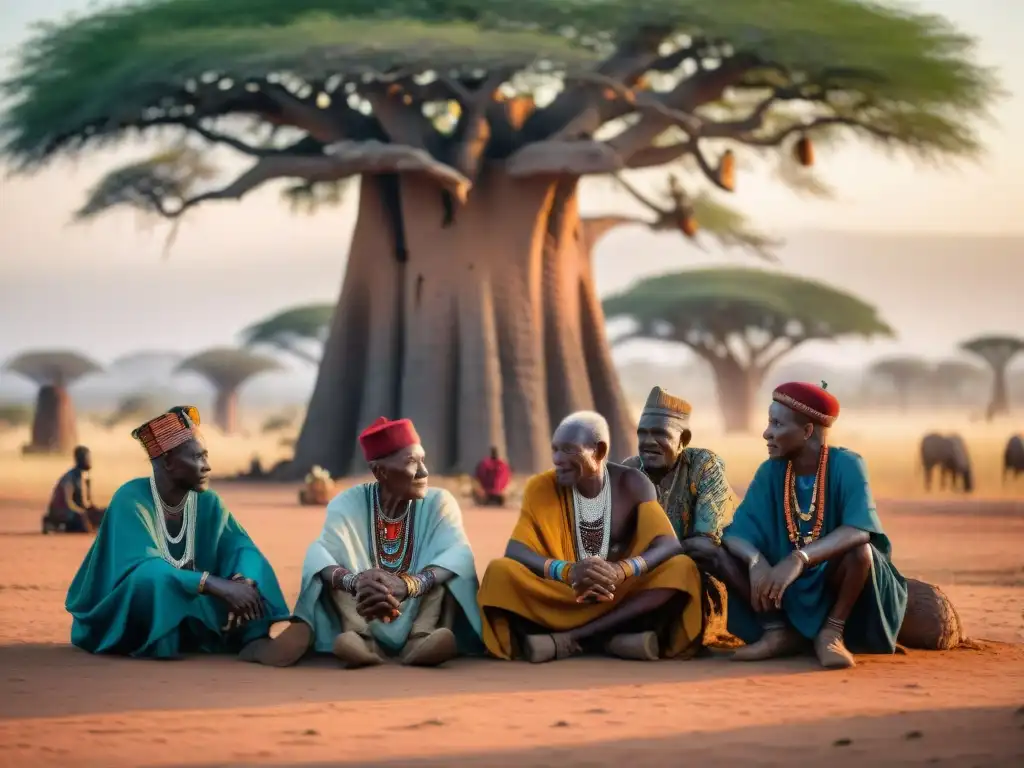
(593, 563)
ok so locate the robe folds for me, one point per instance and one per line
(761, 521)
(127, 599)
(546, 526)
(439, 539)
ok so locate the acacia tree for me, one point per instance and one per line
(54, 427)
(905, 375)
(227, 370)
(468, 303)
(997, 352)
(741, 321)
(292, 329)
(954, 379)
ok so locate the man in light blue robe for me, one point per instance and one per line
(808, 559)
(392, 574)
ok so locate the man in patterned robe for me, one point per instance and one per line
(693, 490)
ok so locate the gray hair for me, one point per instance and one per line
(591, 424)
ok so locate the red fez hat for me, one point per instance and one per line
(384, 437)
(814, 402)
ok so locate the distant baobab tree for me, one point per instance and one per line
(741, 322)
(227, 369)
(54, 426)
(906, 376)
(997, 352)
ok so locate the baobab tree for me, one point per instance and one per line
(905, 375)
(227, 369)
(467, 303)
(292, 330)
(954, 381)
(997, 352)
(741, 322)
(54, 427)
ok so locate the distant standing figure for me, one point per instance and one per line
(491, 480)
(71, 509)
(1013, 457)
(949, 454)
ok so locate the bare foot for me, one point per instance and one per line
(355, 651)
(542, 648)
(639, 646)
(282, 651)
(430, 650)
(774, 644)
(831, 650)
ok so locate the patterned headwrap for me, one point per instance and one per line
(814, 402)
(169, 430)
(661, 403)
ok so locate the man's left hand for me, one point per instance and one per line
(781, 576)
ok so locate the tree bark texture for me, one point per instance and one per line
(478, 322)
(53, 427)
(1000, 403)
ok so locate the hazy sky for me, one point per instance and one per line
(100, 277)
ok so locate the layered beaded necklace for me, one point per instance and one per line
(392, 536)
(815, 511)
(593, 520)
(163, 510)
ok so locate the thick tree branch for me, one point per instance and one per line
(575, 158)
(656, 156)
(596, 227)
(343, 159)
(474, 129)
(404, 123)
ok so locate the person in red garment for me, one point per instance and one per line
(491, 480)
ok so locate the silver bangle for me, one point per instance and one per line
(803, 556)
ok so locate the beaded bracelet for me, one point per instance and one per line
(348, 583)
(557, 570)
(634, 566)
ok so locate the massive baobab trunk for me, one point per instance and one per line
(225, 410)
(53, 426)
(479, 322)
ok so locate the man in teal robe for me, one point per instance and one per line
(392, 574)
(171, 571)
(809, 558)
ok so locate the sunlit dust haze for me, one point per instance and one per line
(940, 252)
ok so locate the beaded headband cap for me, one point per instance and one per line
(169, 430)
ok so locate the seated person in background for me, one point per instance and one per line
(71, 508)
(593, 563)
(490, 482)
(171, 571)
(692, 489)
(813, 561)
(392, 573)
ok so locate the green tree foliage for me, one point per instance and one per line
(288, 329)
(345, 72)
(742, 321)
(907, 376)
(997, 351)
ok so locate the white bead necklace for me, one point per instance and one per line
(161, 509)
(590, 512)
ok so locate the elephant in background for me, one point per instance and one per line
(1013, 457)
(949, 454)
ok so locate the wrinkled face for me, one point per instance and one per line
(660, 441)
(188, 465)
(787, 432)
(404, 475)
(575, 457)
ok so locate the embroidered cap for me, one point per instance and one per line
(661, 403)
(168, 430)
(814, 402)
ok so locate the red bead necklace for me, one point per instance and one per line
(792, 506)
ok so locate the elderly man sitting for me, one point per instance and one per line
(392, 574)
(692, 489)
(593, 563)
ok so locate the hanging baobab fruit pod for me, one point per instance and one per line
(727, 170)
(689, 225)
(803, 150)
